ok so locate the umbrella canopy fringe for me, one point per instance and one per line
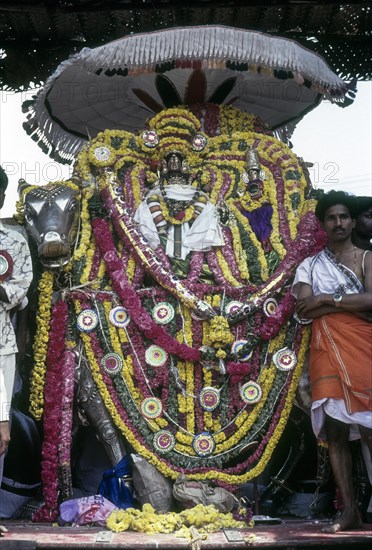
(214, 47)
(51, 138)
(191, 48)
(59, 144)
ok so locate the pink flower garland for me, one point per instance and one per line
(98, 354)
(215, 268)
(274, 322)
(228, 254)
(196, 265)
(53, 392)
(131, 301)
(129, 233)
(95, 265)
(309, 240)
(68, 373)
(280, 192)
(238, 371)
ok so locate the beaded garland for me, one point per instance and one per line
(166, 373)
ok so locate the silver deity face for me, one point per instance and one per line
(174, 163)
(51, 219)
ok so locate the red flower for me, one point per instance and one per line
(180, 215)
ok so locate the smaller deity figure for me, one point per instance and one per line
(253, 176)
(177, 213)
(254, 201)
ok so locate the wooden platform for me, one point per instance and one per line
(290, 534)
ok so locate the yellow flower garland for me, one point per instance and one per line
(40, 345)
(233, 120)
(226, 270)
(189, 120)
(85, 229)
(189, 372)
(188, 213)
(250, 204)
(247, 227)
(244, 420)
(240, 255)
(20, 213)
(131, 269)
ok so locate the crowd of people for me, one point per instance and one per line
(333, 289)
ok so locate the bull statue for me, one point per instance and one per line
(165, 295)
(51, 214)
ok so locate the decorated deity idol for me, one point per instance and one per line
(177, 212)
(197, 373)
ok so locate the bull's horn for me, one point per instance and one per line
(22, 185)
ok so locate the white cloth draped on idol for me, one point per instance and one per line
(121, 84)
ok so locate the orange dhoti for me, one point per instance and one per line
(341, 360)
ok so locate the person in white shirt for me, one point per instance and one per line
(15, 279)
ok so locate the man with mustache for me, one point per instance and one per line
(334, 289)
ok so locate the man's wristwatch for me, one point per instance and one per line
(337, 297)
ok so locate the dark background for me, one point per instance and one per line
(35, 36)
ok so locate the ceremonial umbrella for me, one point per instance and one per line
(123, 83)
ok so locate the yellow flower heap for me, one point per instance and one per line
(206, 519)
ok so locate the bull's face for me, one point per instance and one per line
(51, 220)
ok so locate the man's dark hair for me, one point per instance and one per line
(330, 199)
(3, 179)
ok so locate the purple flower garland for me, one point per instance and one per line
(68, 374)
(53, 392)
(132, 302)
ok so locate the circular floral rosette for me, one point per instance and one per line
(87, 320)
(163, 313)
(199, 142)
(150, 138)
(119, 317)
(112, 363)
(102, 155)
(6, 265)
(209, 398)
(164, 441)
(269, 306)
(156, 356)
(151, 407)
(233, 306)
(204, 444)
(251, 392)
(285, 359)
(237, 346)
